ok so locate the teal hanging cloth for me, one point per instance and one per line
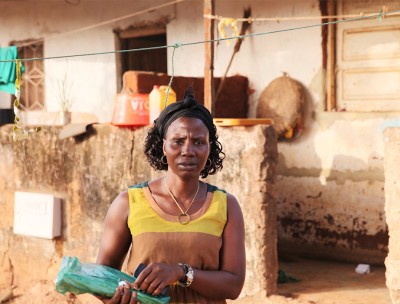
(7, 69)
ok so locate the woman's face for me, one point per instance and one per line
(186, 146)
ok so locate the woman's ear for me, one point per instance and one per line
(163, 146)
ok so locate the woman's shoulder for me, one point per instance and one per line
(230, 198)
(139, 186)
(124, 196)
(119, 207)
(213, 188)
(137, 192)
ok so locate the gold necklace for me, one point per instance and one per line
(184, 217)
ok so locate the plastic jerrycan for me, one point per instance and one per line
(131, 109)
(157, 100)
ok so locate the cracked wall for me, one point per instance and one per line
(331, 190)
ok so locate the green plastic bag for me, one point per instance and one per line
(96, 279)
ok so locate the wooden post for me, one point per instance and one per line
(331, 64)
(209, 90)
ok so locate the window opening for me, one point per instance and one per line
(32, 84)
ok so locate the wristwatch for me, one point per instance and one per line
(189, 275)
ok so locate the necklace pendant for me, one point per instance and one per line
(184, 218)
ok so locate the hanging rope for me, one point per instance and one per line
(176, 45)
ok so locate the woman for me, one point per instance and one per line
(190, 234)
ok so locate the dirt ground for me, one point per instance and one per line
(321, 282)
(324, 282)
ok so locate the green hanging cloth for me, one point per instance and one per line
(7, 69)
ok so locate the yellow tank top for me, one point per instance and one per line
(159, 237)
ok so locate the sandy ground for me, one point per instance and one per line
(320, 282)
(334, 283)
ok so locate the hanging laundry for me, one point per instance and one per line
(7, 69)
(230, 22)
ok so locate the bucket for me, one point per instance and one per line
(131, 109)
(157, 100)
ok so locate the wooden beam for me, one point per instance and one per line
(142, 32)
(209, 90)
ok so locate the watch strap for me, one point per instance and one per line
(189, 275)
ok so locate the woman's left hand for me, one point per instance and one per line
(122, 295)
(156, 276)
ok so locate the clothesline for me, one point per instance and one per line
(383, 12)
(181, 44)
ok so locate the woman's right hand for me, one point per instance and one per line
(122, 295)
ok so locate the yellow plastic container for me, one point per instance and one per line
(157, 100)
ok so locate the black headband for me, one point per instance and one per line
(188, 107)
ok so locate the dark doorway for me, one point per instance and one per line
(148, 60)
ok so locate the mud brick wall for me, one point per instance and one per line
(89, 170)
(232, 102)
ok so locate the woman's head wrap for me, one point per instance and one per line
(188, 107)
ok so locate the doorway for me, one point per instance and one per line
(148, 60)
(155, 60)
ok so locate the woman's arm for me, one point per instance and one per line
(225, 283)
(228, 282)
(116, 238)
(115, 244)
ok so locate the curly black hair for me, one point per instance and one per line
(188, 107)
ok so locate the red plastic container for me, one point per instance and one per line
(131, 109)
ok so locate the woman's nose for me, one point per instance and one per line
(187, 149)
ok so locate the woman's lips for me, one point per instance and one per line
(187, 165)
